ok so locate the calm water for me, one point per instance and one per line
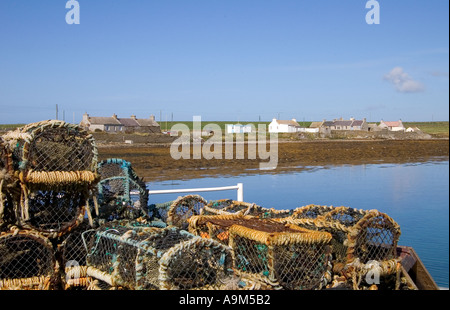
(416, 196)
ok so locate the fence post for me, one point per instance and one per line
(240, 192)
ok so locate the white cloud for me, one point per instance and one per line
(403, 82)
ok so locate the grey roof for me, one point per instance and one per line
(144, 122)
(343, 123)
(328, 123)
(348, 123)
(128, 122)
(104, 121)
(357, 123)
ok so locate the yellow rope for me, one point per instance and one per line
(58, 177)
(36, 283)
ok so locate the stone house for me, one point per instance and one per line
(116, 124)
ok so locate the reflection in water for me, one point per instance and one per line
(414, 195)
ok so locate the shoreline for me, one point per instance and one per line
(153, 162)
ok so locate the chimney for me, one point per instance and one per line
(133, 117)
(364, 120)
(114, 116)
(294, 120)
(152, 117)
(85, 118)
(352, 118)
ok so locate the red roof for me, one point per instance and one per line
(393, 124)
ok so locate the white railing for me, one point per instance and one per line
(239, 187)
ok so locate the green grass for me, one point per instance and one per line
(10, 126)
(440, 129)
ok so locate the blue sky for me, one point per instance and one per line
(234, 60)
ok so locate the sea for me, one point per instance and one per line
(415, 195)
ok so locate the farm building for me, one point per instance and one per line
(116, 124)
(284, 126)
(392, 126)
(341, 124)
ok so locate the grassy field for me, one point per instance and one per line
(439, 129)
(10, 126)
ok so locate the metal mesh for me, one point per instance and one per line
(6, 209)
(121, 193)
(27, 261)
(284, 256)
(71, 247)
(52, 212)
(3, 156)
(6, 179)
(377, 239)
(52, 146)
(311, 211)
(228, 206)
(293, 259)
(57, 165)
(60, 149)
(345, 216)
(154, 258)
(183, 208)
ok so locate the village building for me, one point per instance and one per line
(284, 126)
(116, 124)
(341, 124)
(238, 128)
(392, 126)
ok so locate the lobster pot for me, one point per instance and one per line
(121, 193)
(5, 161)
(6, 209)
(154, 258)
(366, 235)
(71, 248)
(27, 261)
(182, 209)
(57, 167)
(266, 213)
(72, 251)
(311, 211)
(52, 211)
(57, 146)
(226, 206)
(217, 227)
(287, 256)
(6, 182)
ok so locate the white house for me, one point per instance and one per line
(392, 126)
(282, 126)
(309, 130)
(239, 128)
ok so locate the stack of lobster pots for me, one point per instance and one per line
(48, 177)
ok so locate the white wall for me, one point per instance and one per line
(281, 128)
